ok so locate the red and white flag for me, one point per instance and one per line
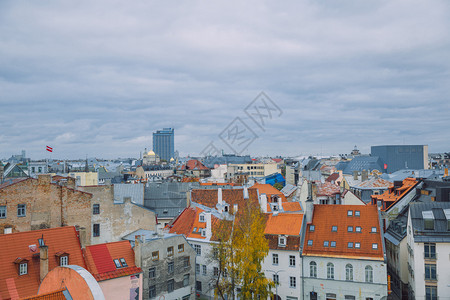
(49, 149)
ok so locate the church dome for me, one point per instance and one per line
(151, 153)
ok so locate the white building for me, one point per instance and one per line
(343, 253)
(428, 244)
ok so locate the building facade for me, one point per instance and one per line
(164, 144)
(397, 157)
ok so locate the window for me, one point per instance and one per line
(225, 273)
(430, 272)
(350, 228)
(369, 274)
(312, 228)
(186, 280)
(64, 260)
(215, 253)
(186, 261)
(197, 268)
(23, 269)
(216, 271)
(204, 270)
(428, 219)
(291, 261)
(198, 249)
(202, 218)
(152, 291)
(169, 251)
(170, 267)
(349, 272)
(170, 285)
(334, 228)
(151, 273)
(96, 230)
(117, 263)
(2, 212)
(313, 269)
(358, 229)
(281, 241)
(349, 213)
(350, 245)
(198, 286)
(155, 255)
(96, 209)
(21, 210)
(310, 242)
(276, 279)
(333, 244)
(180, 248)
(357, 213)
(325, 243)
(430, 250)
(349, 297)
(374, 229)
(292, 282)
(357, 245)
(430, 292)
(275, 259)
(375, 246)
(330, 271)
(123, 262)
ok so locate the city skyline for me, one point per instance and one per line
(97, 79)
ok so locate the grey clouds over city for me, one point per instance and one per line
(98, 78)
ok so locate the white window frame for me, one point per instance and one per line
(3, 212)
(292, 282)
(23, 269)
(275, 260)
(64, 260)
(291, 260)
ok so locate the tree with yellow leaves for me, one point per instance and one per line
(240, 250)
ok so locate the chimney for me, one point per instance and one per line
(70, 182)
(364, 175)
(280, 206)
(263, 202)
(43, 265)
(446, 172)
(245, 192)
(82, 236)
(137, 250)
(208, 225)
(309, 210)
(219, 196)
(235, 208)
(44, 179)
(355, 175)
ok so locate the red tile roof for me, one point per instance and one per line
(218, 183)
(327, 189)
(286, 224)
(326, 216)
(188, 220)
(24, 245)
(56, 295)
(230, 196)
(269, 190)
(291, 206)
(193, 164)
(394, 194)
(100, 260)
(277, 160)
(332, 177)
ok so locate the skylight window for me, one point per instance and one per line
(124, 263)
(325, 243)
(357, 245)
(428, 220)
(374, 246)
(117, 263)
(349, 213)
(333, 244)
(310, 242)
(350, 228)
(358, 229)
(357, 213)
(334, 229)
(312, 228)
(350, 245)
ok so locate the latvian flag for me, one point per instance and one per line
(49, 149)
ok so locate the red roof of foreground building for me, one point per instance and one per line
(286, 224)
(100, 260)
(188, 223)
(23, 247)
(56, 295)
(327, 216)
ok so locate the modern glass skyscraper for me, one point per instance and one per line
(163, 143)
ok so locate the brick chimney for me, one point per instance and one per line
(137, 251)
(82, 236)
(43, 265)
(70, 182)
(44, 179)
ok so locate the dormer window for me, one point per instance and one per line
(123, 262)
(447, 216)
(202, 218)
(349, 213)
(225, 209)
(275, 207)
(428, 220)
(23, 268)
(281, 241)
(334, 228)
(64, 260)
(203, 232)
(374, 230)
(117, 263)
(312, 228)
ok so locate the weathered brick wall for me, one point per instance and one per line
(48, 205)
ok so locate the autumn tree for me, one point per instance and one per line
(239, 252)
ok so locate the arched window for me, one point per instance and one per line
(369, 274)
(330, 271)
(349, 272)
(313, 269)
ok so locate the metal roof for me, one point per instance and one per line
(440, 232)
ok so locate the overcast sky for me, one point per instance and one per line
(97, 78)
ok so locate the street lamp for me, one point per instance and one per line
(276, 283)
